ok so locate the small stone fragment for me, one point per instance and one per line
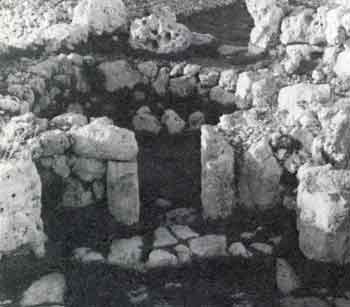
(49, 289)
(174, 123)
(183, 232)
(126, 253)
(161, 258)
(286, 278)
(163, 238)
(237, 249)
(209, 246)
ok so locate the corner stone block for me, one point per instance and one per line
(123, 192)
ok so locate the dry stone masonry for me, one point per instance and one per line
(90, 98)
(86, 157)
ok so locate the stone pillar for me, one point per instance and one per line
(123, 192)
(20, 207)
(218, 190)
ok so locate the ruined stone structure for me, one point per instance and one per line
(92, 97)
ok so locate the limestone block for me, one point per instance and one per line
(259, 178)
(123, 192)
(104, 142)
(218, 191)
(20, 207)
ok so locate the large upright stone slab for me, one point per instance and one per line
(20, 207)
(260, 176)
(324, 213)
(218, 191)
(123, 192)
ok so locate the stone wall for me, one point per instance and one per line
(90, 161)
(72, 83)
(188, 7)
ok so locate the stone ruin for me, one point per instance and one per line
(273, 137)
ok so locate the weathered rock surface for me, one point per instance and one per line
(301, 27)
(342, 66)
(256, 88)
(160, 33)
(335, 138)
(75, 195)
(126, 253)
(149, 69)
(105, 142)
(218, 190)
(13, 105)
(298, 54)
(296, 98)
(22, 22)
(209, 77)
(286, 279)
(89, 169)
(161, 258)
(221, 96)
(196, 120)
(60, 166)
(62, 35)
(68, 120)
(259, 177)
(228, 79)
(145, 121)
(118, 75)
(237, 249)
(209, 246)
(183, 253)
(183, 87)
(54, 142)
(183, 232)
(262, 248)
(267, 15)
(160, 85)
(103, 16)
(191, 70)
(87, 255)
(123, 192)
(163, 238)
(323, 204)
(49, 289)
(20, 207)
(173, 122)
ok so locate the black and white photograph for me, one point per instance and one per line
(174, 153)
